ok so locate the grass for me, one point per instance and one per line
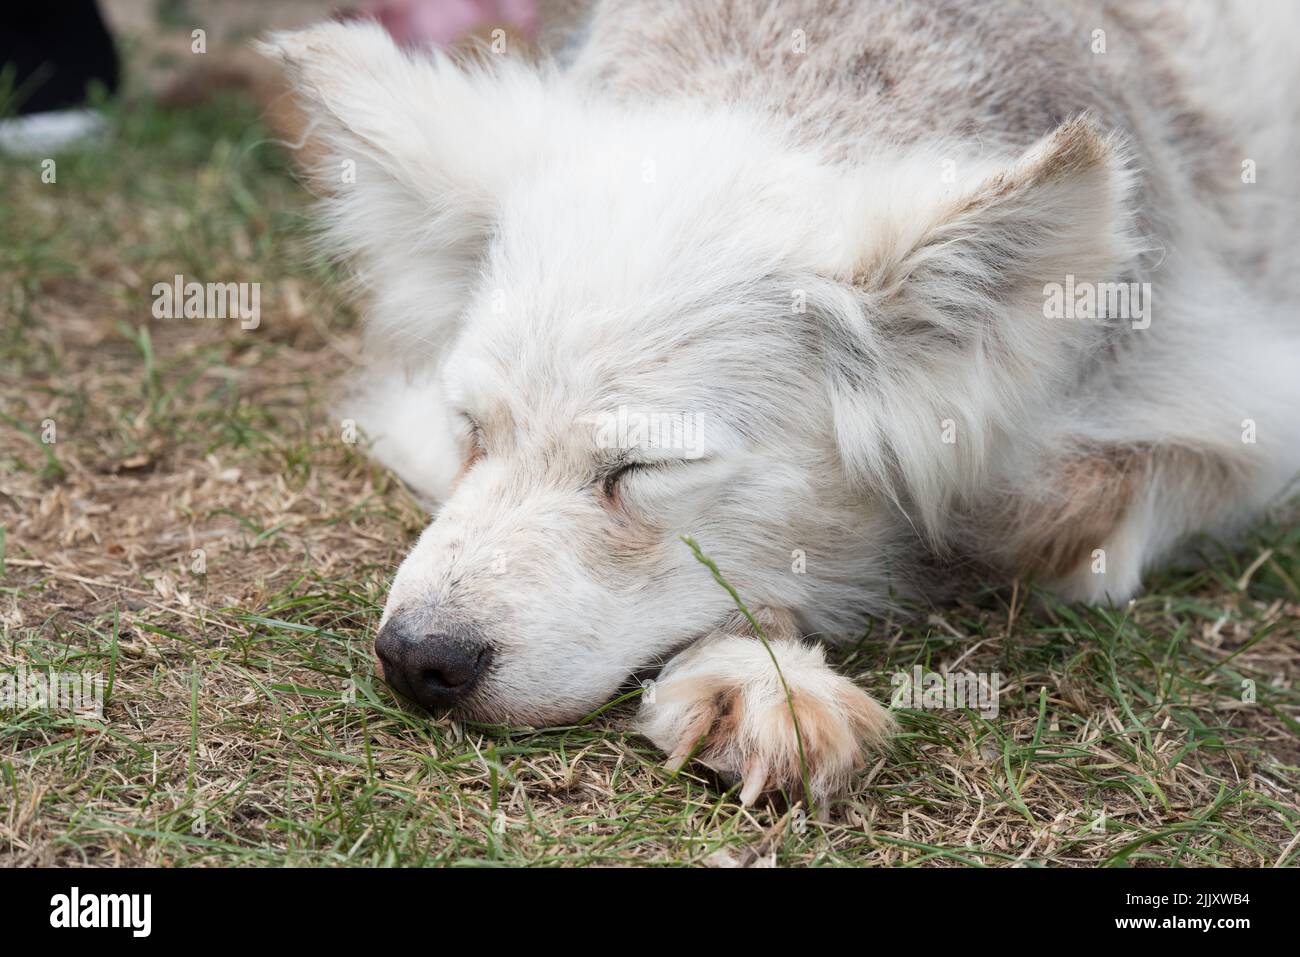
(200, 535)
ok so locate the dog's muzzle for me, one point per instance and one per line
(436, 668)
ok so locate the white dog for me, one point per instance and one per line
(849, 292)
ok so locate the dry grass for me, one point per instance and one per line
(244, 724)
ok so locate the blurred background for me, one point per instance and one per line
(182, 52)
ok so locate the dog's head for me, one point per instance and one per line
(652, 321)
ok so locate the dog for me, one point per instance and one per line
(860, 295)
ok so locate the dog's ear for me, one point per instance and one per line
(410, 153)
(947, 347)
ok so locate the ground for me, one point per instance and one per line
(200, 533)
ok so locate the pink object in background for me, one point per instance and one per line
(428, 23)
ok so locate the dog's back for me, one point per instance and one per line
(1200, 89)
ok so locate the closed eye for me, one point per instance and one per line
(617, 473)
(473, 439)
(612, 478)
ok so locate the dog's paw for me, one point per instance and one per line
(723, 700)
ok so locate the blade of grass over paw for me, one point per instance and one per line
(758, 630)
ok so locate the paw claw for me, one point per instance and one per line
(756, 776)
(690, 739)
(676, 761)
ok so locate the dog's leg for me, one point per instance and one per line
(724, 701)
(1113, 511)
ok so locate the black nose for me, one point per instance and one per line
(437, 669)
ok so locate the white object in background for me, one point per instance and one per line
(43, 133)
